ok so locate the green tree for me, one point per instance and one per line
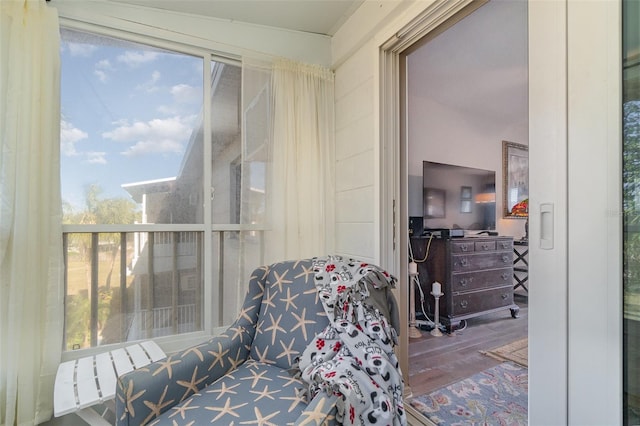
(101, 211)
(97, 211)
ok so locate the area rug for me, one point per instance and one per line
(515, 351)
(496, 396)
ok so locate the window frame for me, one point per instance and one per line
(176, 342)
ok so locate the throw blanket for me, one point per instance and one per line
(353, 357)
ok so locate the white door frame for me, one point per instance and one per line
(548, 297)
(393, 151)
(594, 216)
(563, 388)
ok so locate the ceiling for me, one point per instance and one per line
(312, 16)
(478, 67)
(477, 64)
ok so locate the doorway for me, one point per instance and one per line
(465, 92)
(397, 135)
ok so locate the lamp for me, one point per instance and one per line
(436, 292)
(485, 197)
(521, 209)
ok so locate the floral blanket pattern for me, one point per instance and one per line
(353, 356)
(497, 396)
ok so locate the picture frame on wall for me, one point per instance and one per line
(515, 180)
(434, 203)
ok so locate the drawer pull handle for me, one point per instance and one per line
(464, 261)
(464, 304)
(485, 246)
(504, 296)
(505, 258)
(504, 276)
(464, 247)
(465, 281)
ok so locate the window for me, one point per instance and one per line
(140, 149)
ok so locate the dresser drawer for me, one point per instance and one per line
(474, 262)
(482, 246)
(470, 245)
(481, 300)
(481, 279)
(462, 246)
(506, 244)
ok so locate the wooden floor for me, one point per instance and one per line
(435, 362)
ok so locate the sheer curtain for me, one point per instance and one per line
(256, 146)
(31, 297)
(301, 189)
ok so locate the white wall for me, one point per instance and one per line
(467, 92)
(437, 133)
(356, 172)
(355, 59)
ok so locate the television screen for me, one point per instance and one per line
(458, 197)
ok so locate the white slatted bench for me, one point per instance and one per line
(91, 380)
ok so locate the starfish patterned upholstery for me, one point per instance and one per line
(243, 376)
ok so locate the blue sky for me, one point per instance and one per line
(127, 115)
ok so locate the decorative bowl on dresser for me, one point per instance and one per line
(476, 274)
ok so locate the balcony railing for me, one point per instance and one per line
(123, 286)
(164, 321)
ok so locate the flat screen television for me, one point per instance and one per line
(458, 197)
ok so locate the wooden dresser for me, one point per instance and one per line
(476, 274)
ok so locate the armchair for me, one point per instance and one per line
(244, 375)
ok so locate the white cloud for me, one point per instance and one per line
(81, 49)
(184, 93)
(167, 135)
(102, 76)
(69, 135)
(149, 86)
(120, 122)
(100, 70)
(167, 110)
(104, 64)
(96, 157)
(135, 59)
(158, 147)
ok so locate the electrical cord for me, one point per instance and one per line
(422, 299)
(426, 253)
(416, 279)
